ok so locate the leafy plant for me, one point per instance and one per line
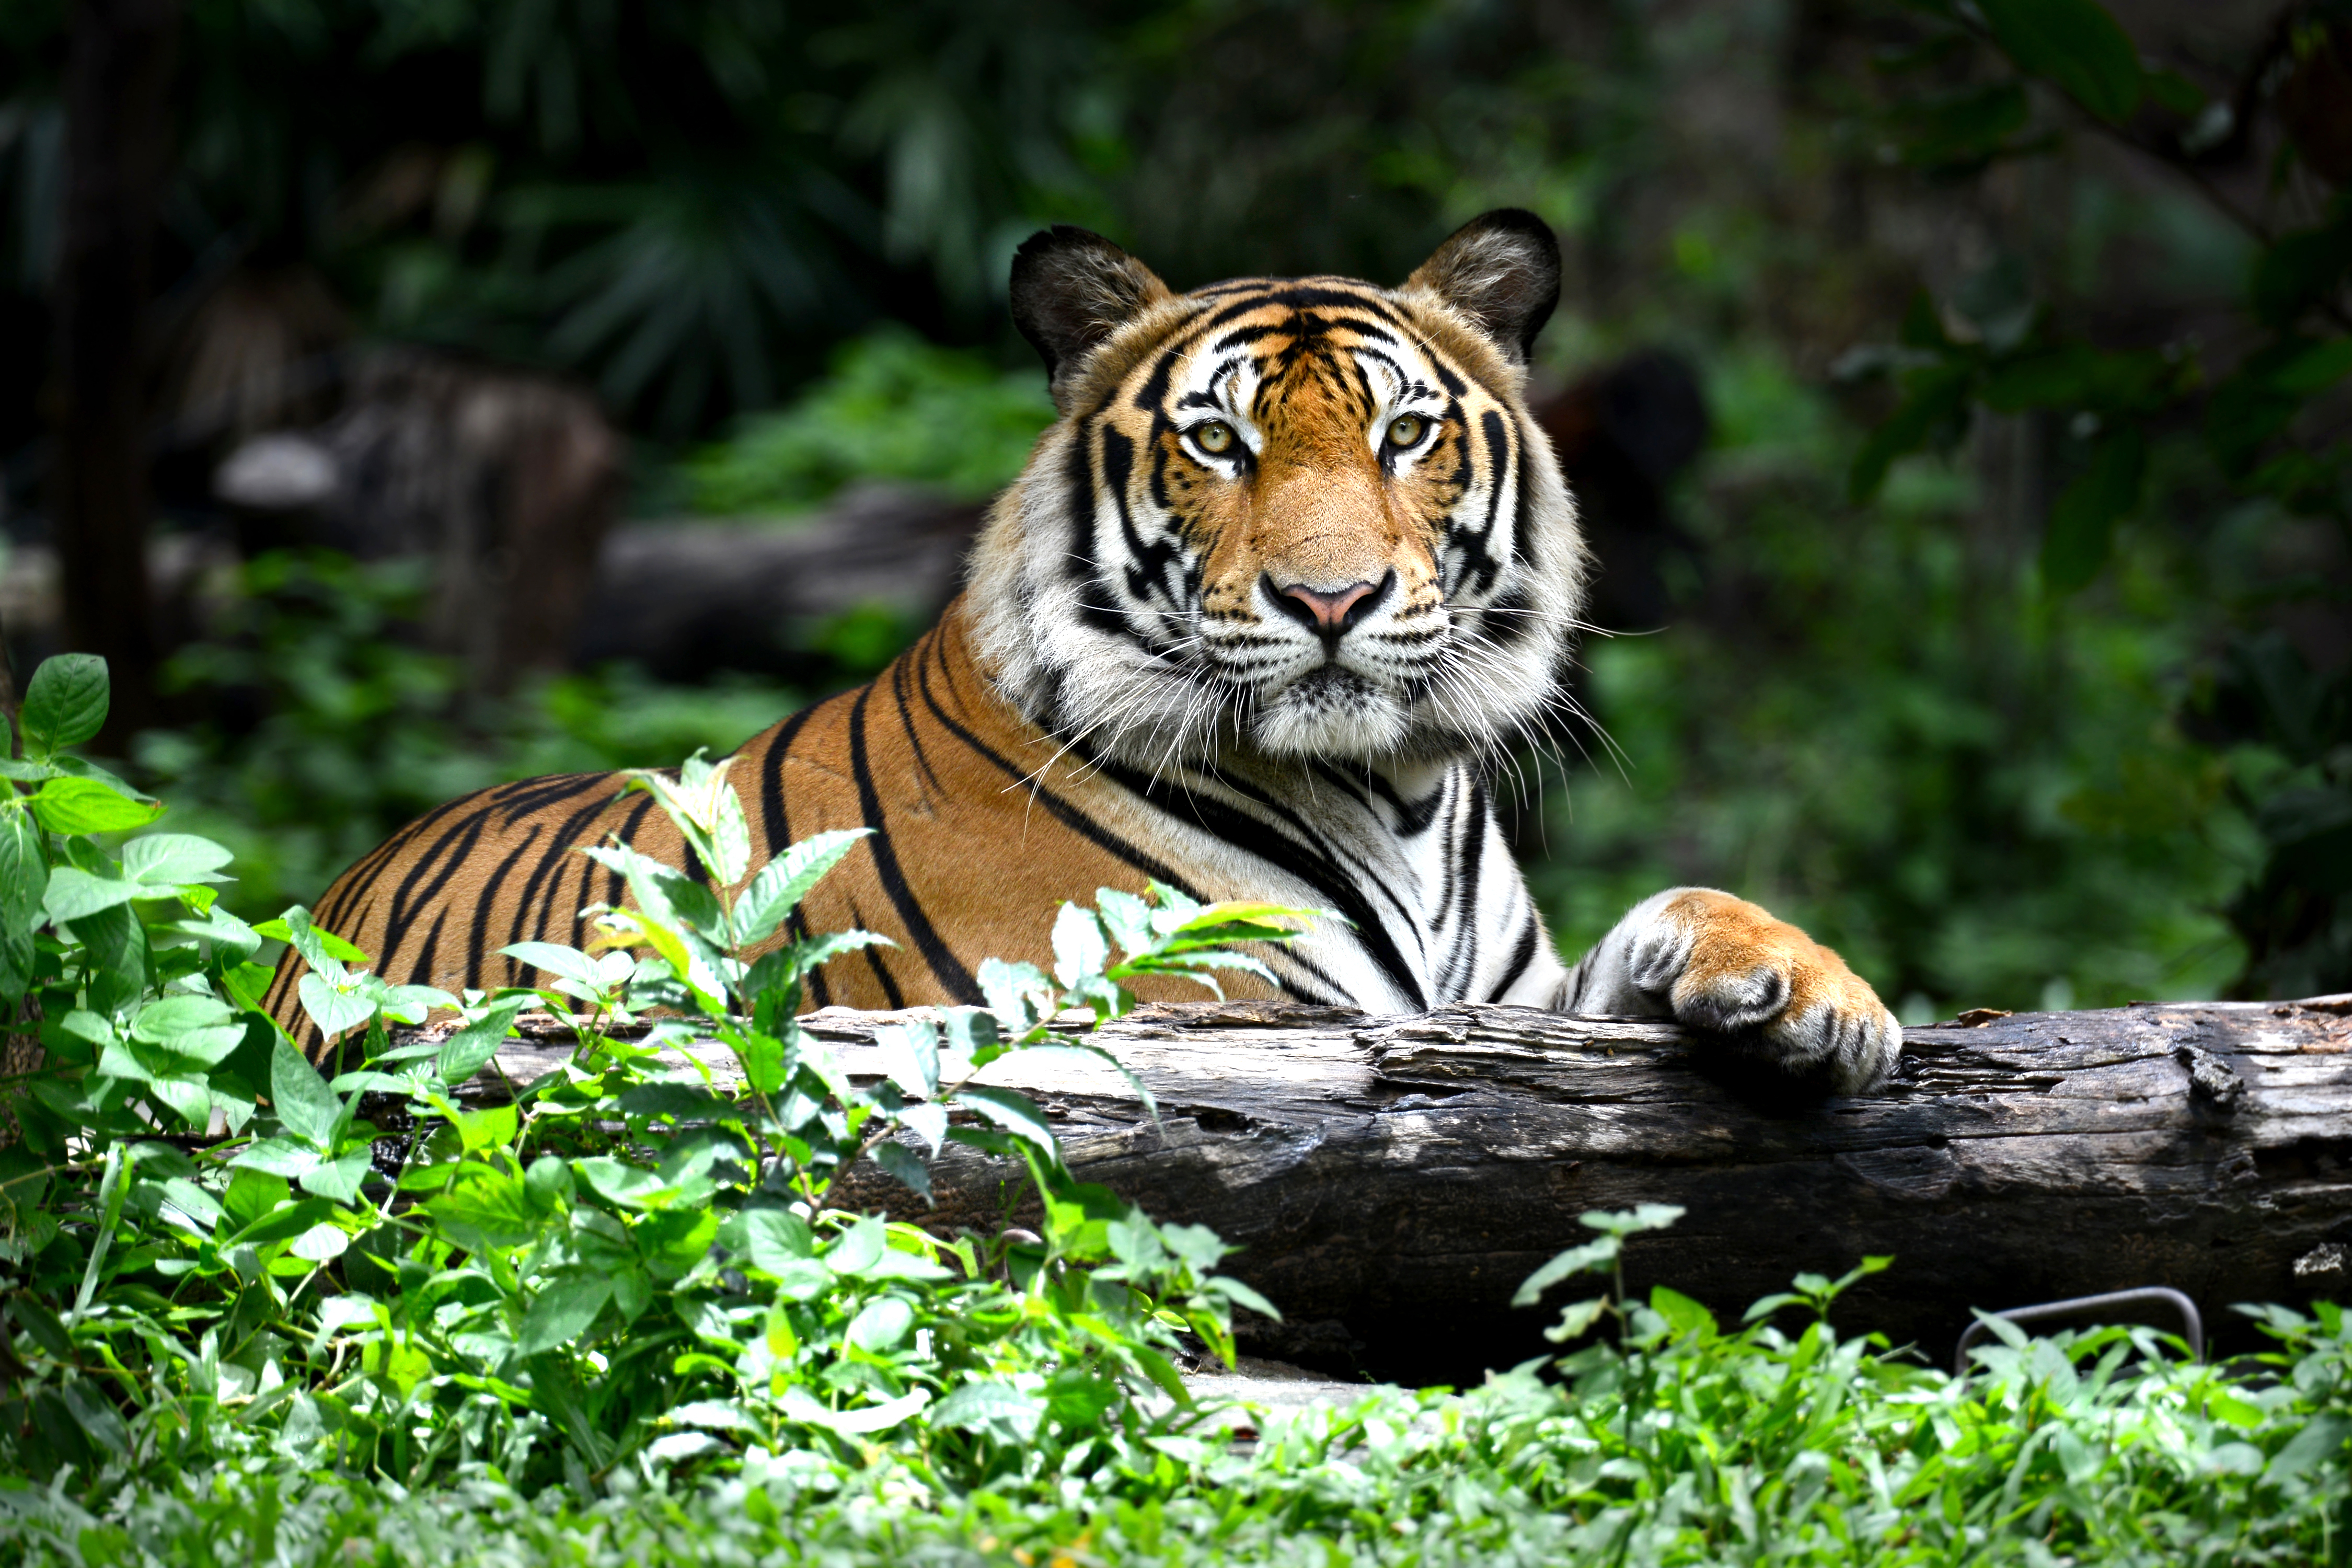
(329, 728)
(214, 1253)
(2000, 349)
(1677, 1442)
(894, 408)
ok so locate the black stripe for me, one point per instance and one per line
(451, 852)
(483, 905)
(1521, 956)
(1305, 835)
(773, 821)
(1062, 811)
(1247, 834)
(898, 669)
(421, 971)
(890, 992)
(952, 976)
(1446, 892)
(1461, 962)
(563, 841)
(544, 792)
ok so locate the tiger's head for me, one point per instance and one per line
(1301, 518)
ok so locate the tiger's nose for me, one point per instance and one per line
(1331, 614)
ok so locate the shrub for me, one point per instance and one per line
(215, 1253)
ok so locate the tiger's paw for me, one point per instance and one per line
(1722, 963)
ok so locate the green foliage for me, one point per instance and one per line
(348, 730)
(893, 408)
(217, 1257)
(1978, 800)
(2259, 439)
(1676, 1441)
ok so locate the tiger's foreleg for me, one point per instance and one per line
(1713, 962)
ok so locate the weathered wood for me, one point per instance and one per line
(1392, 1179)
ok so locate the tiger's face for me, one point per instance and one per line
(1304, 519)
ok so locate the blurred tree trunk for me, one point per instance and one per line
(118, 155)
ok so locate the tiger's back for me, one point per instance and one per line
(973, 831)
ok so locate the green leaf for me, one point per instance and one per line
(1016, 1113)
(492, 1127)
(467, 1051)
(856, 1250)
(196, 1033)
(911, 1055)
(86, 806)
(335, 1010)
(929, 1122)
(1682, 1315)
(301, 1097)
(625, 1184)
(2074, 44)
(171, 860)
(2083, 519)
(802, 1405)
(906, 1165)
(1080, 947)
(563, 1310)
(1589, 1257)
(224, 929)
(1576, 1318)
(1966, 130)
(983, 1405)
(771, 1239)
(170, 1016)
(321, 1244)
(113, 1188)
(547, 1183)
(115, 955)
(1632, 1221)
(785, 881)
(96, 1415)
(287, 1220)
(880, 1325)
(1242, 1295)
(2313, 369)
(676, 1241)
(316, 943)
(2322, 1439)
(1018, 993)
(65, 704)
(484, 1208)
(285, 1157)
(252, 1193)
(24, 874)
(563, 963)
(74, 894)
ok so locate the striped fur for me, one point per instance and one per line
(1231, 630)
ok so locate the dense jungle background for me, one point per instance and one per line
(406, 394)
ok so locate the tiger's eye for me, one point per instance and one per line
(1214, 438)
(1405, 429)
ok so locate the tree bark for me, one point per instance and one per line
(1391, 1180)
(118, 156)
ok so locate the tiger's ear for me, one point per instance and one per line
(1071, 289)
(1502, 271)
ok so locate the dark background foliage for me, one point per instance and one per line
(1955, 390)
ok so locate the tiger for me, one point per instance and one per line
(1282, 587)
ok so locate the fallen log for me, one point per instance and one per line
(1391, 1180)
